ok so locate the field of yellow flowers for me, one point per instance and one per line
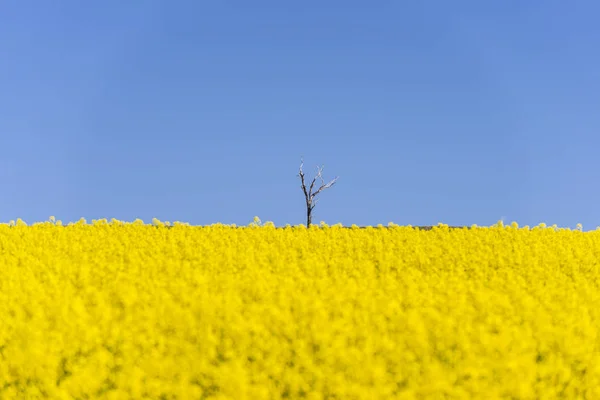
(115, 310)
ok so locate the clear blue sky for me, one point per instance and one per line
(459, 112)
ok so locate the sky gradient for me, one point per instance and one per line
(459, 112)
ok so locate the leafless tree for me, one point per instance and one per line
(311, 202)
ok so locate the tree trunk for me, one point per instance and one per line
(308, 215)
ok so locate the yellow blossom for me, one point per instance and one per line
(118, 310)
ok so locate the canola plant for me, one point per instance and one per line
(115, 310)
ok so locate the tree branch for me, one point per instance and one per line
(323, 187)
(319, 171)
(312, 184)
(301, 174)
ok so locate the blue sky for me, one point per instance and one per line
(459, 112)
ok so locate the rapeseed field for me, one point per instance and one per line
(115, 310)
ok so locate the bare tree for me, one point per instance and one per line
(311, 202)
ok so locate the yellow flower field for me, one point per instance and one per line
(120, 310)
